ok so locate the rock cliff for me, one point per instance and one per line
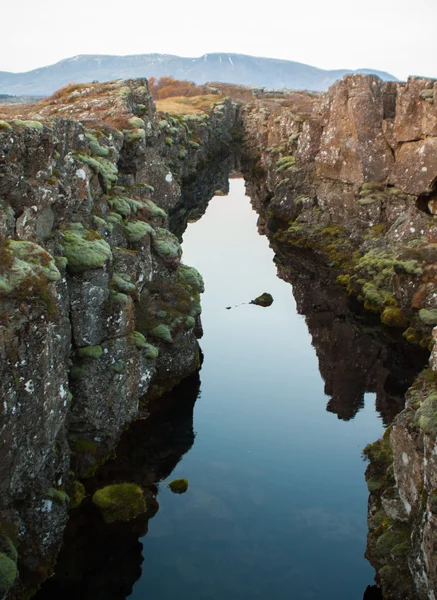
(98, 314)
(348, 178)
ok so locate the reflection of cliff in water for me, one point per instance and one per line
(103, 561)
(356, 354)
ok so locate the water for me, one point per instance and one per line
(277, 502)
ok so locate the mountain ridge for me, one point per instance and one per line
(223, 67)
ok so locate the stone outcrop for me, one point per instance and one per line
(348, 180)
(98, 314)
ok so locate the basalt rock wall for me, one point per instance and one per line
(349, 177)
(97, 312)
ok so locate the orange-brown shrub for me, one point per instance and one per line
(168, 87)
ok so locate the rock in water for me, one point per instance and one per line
(178, 486)
(263, 300)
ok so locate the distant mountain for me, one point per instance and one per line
(227, 68)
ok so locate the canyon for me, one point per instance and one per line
(100, 318)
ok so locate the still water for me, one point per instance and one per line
(276, 505)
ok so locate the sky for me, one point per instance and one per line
(397, 36)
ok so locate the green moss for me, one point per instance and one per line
(8, 573)
(263, 300)
(134, 135)
(167, 245)
(139, 339)
(194, 145)
(119, 367)
(428, 316)
(162, 332)
(375, 483)
(114, 218)
(284, 163)
(103, 167)
(137, 123)
(182, 154)
(396, 534)
(34, 125)
(380, 452)
(136, 230)
(76, 491)
(5, 125)
(178, 486)
(77, 371)
(122, 283)
(83, 446)
(163, 124)
(394, 317)
(120, 502)
(26, 269)
(151, 351)
(95, 147)
(190, 322)
(169, 141)
(90, 352)
(426, 415)
(120, 206)
(82, 252)
(191, 277)
(57, 496)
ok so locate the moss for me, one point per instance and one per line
(194, 145)
(122, 283)
(396, 534)
(169, 141)
(119, 367)
(428, 316)
(77, 371)
(76, 491)
(151, 351)
(137, 123)
(114, 218)
(426, 415)
(33, 125)
(90, 352)
(134, 135)
(182, 154)
(83, 253)
(178, 486)
(190, 322)
(379, 452)
(427, 94)
(5, 125)
(263, 300)
(83, 446)
(26, 270)
(8, 573)
(167, 245)
(344, 279)
(95, 147)
(119, 298)
(136, 230)
(191, 277)
(375, 483)
(394, 317)
(162, 332)
(139, 339)
(163, 124)
(57, 496)
(120, 502)
(120, 206)
(103, 167)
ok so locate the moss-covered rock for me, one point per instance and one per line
(167, 245)
(178, 486)
(263, 300)
(58, 496)
(90, 352)
(8, 573)
(122, 283)
(162, 332)
(151, 351)
(76, 491)
(85, 249)
(428, 316)
(190, 276)
(426, 415)
(120, 502)
(23, 263)
(136, 230)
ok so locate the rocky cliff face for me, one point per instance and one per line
(350, 179)
(97, 312)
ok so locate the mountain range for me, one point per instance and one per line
(219, 67)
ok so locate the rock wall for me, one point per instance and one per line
(349, 179)
(98, 314)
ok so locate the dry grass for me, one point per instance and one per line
(193, 105)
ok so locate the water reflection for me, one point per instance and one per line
(356, 354)
(103, 561)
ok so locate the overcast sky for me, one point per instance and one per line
(390, 35)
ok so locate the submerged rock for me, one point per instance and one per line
(263, 300)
